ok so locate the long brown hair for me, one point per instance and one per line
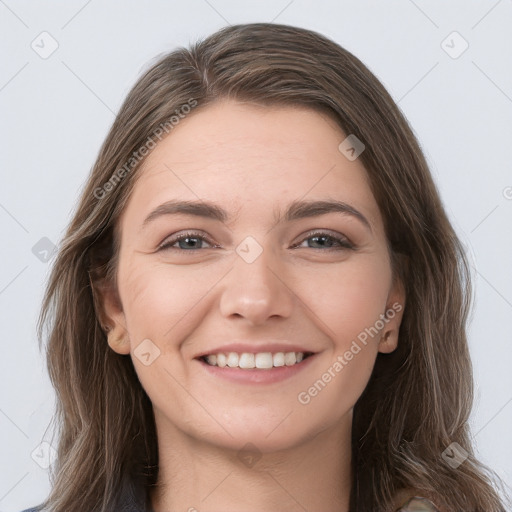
(419, 397)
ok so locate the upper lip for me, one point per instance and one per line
(254, 348)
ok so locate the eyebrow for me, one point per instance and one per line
(295, 211)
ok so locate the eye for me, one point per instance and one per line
(187, 241)
(325, 240)
(192, 241)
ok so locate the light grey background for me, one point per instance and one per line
(56, 112)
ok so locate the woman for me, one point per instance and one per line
(260, 303)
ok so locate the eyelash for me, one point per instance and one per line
(343, 242)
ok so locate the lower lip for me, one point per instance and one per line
(257, 376)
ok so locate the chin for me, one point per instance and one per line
(260, 438)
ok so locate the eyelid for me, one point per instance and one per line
(169, 241)
(343, 241)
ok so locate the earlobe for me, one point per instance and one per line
(394, 313)
(114, 321)
(111, 317)
(388, 342)
(118, 341)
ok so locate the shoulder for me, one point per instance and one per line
(418, 504)
(411, 500)
(35, 509)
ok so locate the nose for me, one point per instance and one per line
(256, 291)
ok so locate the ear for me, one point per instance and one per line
(392, 318)
(110, 314)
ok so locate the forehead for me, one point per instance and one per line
(229, 129)
(253, 157)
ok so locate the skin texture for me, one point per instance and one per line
(252, 161)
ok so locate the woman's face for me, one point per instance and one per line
(261, 269)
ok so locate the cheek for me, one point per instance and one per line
(347, 301)
(162, 302)
(348, 297)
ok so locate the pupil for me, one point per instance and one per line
(316, 238)
(189, 241)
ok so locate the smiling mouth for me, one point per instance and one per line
(258, 361)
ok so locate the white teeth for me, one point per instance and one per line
(290, 358)
(278, 359)
(221, 360)
(264, 360)
(232, 359)
(246, 361)
(261, 360)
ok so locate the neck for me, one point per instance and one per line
(197, 476)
